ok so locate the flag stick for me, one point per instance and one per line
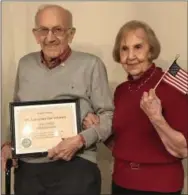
(177, 56)
(160, 80)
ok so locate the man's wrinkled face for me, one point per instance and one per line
(53, 32)
(135, 53)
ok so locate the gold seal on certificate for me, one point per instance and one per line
(40, 125)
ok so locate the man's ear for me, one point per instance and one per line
(71, 34)
(36, 36)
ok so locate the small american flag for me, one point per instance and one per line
(177, 77)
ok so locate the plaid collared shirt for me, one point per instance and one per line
(56, 61)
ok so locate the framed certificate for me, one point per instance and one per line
(40, 125)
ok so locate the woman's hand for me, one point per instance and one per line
(151, 105)
(90, 120)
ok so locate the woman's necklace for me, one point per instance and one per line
(139, 86)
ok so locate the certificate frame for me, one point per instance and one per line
(16, 107)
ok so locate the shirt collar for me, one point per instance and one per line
(56, 61)
(144, 76)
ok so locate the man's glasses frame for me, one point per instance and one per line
(57, 31)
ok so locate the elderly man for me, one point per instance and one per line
(57, 72)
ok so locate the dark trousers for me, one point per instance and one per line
(117, 190)
(76, 177)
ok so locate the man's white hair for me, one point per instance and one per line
(47, 6)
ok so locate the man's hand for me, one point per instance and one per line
(67, 148)
(151, 105)
(6, 153)
(90, 120)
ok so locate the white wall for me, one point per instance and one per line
(97, 24)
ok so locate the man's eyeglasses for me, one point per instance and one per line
(57, 31)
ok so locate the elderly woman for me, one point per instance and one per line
(150, 126)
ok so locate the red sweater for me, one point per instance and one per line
(137, 141)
